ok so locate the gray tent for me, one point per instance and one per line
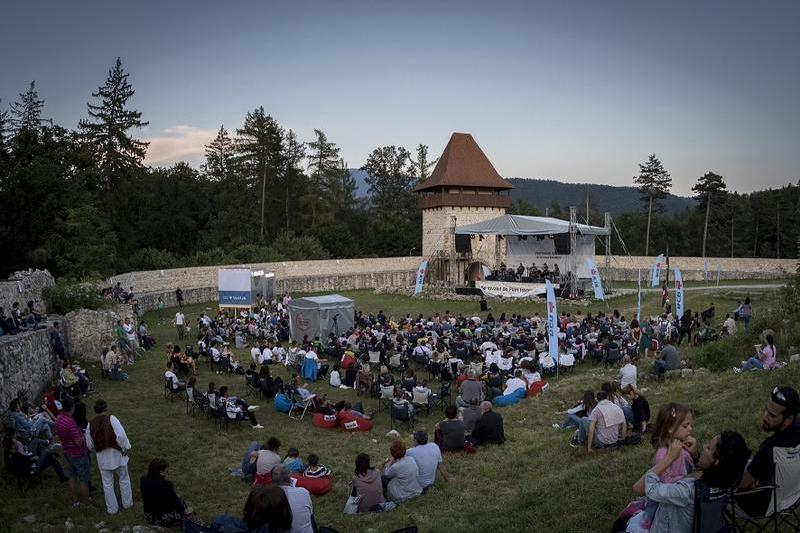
(317, 316)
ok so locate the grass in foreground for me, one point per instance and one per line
(534, 481)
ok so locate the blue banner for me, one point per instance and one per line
(679, 300)
(239, 298)
(655, 272)
(597, 283)
(423, 267)
(639, 297)
(552, 322)
(705, 270)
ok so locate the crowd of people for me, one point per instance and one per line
(19, 319)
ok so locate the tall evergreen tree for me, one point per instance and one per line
(260, 152)
(292, 174)
(654, 183)
(115, 150)
(420, 166)
(323, 170)
(5, 133)
(220, 156)
(26, 113)
(709, 186)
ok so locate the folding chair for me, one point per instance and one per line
(784, 507)
(298, 404)
(191, 405)
(386, 397)
(224, 419)
(396, 363)
(374, 358)
(612, 357)
(252, 385)
(712, 509)
(169, 390)
(421, 400)
(477, 368)
(443, 396)
(364, 382)
(400, 413)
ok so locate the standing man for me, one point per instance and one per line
(780, 419)
(73, 446)
(107, 437)
(180, 323)
(57, 341)
(179, 297)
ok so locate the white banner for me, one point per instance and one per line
(423, 267)
(639, 297)
(679, 301)
(509, 289)
(655, 273)
(597, 283)
(552, 322)
(705, 270)
(719, 271)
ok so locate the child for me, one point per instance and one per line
(673, 422)
(314, 469)
(293, 462)
(335, 377)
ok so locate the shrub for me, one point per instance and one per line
(66, 296)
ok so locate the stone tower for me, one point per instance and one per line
(464, 188)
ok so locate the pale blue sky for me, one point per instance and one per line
(577, 91)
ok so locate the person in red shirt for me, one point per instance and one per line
(73, 446)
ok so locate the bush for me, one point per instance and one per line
(66, 296)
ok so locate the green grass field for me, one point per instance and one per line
(535, 481)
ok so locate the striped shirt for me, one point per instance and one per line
(72, 442)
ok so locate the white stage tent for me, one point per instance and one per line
(319, 315)
(533, 240)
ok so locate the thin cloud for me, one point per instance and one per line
(177, 144)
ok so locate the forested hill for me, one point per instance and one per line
(541, 194)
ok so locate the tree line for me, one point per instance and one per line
(763, 223)
(81, 202)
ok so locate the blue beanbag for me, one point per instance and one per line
(504, 400)
(519, 393)
(282, 403)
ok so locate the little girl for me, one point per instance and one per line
(674, 421)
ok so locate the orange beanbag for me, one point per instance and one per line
(351, 422)
(322, 420)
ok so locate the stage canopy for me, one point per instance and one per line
(524, 225)
(319, 315)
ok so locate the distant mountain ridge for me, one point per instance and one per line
(542, 193)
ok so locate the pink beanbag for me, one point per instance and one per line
(351, 422)
(322, 420)
(315, 485)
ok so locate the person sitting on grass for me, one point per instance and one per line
(578, 412)
(640, 407)
(32, 458)
(314, 469)
(489, 427)
(335, 377)
(428, 457)
(400, 474)
(604, 427)
(299, 501)
(267, 457)
(162, 506)
(470, 390)
(449, 433)
(266, 510)
(763, 360)
(236, 408)
(292, 461)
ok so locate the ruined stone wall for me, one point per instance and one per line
(27, 362)
(87, 332)
(625, 268)
(24, 286)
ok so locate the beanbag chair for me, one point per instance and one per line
(351, 422)
(535, 388)
(519, 393)
(505, 400)
(282, 403)
(262, 480)
(321, 420)
(315, 485)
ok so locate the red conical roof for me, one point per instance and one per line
(463, 164)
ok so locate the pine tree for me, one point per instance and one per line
(421, 165)
(107, 136)
(293, 174)
(26, 113)
(323, 170)
(260, 152)
(654, 183)
(5, 133)
(220, 156)
(709, 187)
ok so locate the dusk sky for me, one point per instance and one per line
(576, 91)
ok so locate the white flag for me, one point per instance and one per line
(597, 283)
(552, 321)
(639, 295)
(655, 273)
(679, 301)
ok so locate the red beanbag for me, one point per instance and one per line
(536, 388)
(315, 485)
(322, 420)
(351, 422)
(262, 480)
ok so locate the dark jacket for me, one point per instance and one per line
(489, 429)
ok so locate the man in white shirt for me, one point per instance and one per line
(299, 500)
(515, 383)
(729, 325)
(628, 373)
(170, 376)
(255, 354)
(180, 323)
(267, 356)
(107, 437)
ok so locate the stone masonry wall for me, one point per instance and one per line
(27, 362)
(24, 286)
(625, 268)
(87, 332)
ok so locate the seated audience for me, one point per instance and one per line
(162, 506)
(605, 426)
(764, 359)
(314, 469)
(292, 461)
(489, 427)
(267, 509)
(400, 474)
(368, 487)
(238, 408)
(578, 412)
(429, 460)
(451, 430)
(640, 408)
(299, 501)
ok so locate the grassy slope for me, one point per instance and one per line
(531, 480)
